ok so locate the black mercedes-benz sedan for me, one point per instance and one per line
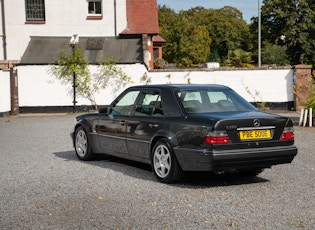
(178, 128)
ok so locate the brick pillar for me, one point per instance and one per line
(303, 85)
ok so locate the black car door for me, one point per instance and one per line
(112, 127)
(147, 120)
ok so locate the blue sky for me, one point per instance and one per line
(249, 8)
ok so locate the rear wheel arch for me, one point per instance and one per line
(159, 137)
(164, 162)
(154, 141)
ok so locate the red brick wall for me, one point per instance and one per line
(303, 84)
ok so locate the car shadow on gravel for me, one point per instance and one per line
(144, 172)
(210, 179)
(131, 168)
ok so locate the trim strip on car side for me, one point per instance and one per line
(122, 138)
(137, 140)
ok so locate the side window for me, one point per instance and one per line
(191, 101)
(94, 9)
(220, 102)
(216, 96)
(124, 106)
(149, 104)
(192, 96)
(35, 11)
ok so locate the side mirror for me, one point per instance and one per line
(104, 110)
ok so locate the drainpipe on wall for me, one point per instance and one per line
(115, 17)
(3, 32)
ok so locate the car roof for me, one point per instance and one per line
(182, 86)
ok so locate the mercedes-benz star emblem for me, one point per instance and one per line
(256, 123)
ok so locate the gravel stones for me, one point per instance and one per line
(44, 186)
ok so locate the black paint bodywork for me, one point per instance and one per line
(133, 137)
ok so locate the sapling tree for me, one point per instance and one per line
(87, 84)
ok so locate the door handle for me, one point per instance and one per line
(122, 122)
(153, 125)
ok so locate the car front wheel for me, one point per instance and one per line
(164, 163)
(82, 146)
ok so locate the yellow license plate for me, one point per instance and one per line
(255, 134)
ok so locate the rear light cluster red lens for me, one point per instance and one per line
(288, 134)
(217, 138)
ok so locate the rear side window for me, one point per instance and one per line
(215, 96)
(191, 101)
(205, 101)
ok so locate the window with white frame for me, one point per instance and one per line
(95, 7)
(35, 10)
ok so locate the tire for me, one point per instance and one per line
(82, 145)
(164, 163)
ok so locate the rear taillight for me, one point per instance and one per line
(288, 134)
(217, 138)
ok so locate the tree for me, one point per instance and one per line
(86, 84)
(73, 63)
(226, 28)
(169, 22)
(109, 73)
(274, 54)
(240, 58)
(187, 43)
(189, 32)
(194, 45)
(296, 21)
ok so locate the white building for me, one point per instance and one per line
(32, 32)
(46, 26)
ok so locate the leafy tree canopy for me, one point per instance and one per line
(187, 42)
(274, 54)
(295, 20)
(226, 27)
(188, 33)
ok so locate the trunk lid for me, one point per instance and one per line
(249, 129)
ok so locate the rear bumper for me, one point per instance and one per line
(196, 160)
(254, 158)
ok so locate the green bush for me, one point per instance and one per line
(160, 63)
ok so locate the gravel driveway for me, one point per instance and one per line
(44, 186)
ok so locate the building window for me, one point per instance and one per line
(35, 10)
(156, 53)
(94, 9)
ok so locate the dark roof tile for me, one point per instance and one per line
(44, 50)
